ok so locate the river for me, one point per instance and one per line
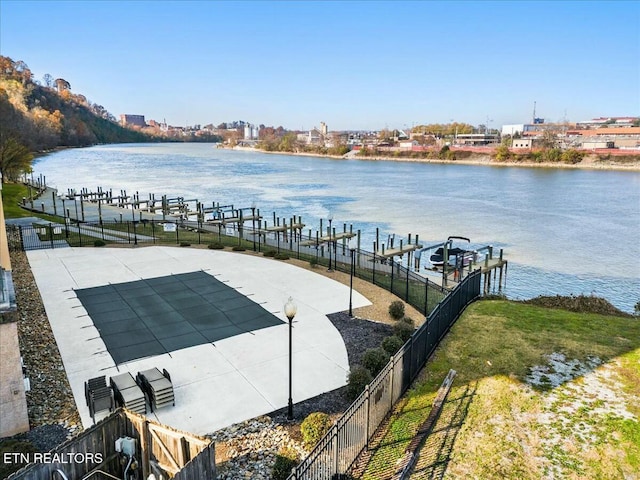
(563, 231)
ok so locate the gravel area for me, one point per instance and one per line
(50, 400)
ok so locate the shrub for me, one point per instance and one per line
(396, 310)
(185, 244)
(269, 253)
(403, 330)
(374, 360)
(552, 155)
(409, 321)
(502, 153)
(286, 459)
(238, 248)
(215, 246)
(314, 427)
(392, 344)
(572, 156)
(313, 262)
(358, 378)
(281, 256)
(99, 243)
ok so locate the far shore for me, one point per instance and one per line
(589, 162)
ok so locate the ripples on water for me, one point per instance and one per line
(563, 231)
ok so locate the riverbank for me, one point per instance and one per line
(589, 162)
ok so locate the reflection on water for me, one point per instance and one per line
(563, 231)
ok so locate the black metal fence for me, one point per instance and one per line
(393, 276)
(335, 454)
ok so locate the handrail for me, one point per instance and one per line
(93, 472)
(60, 472)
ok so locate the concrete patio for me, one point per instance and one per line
(216, 384)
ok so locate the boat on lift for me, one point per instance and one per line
(456, 256)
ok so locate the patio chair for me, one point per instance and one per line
(158, 387)
(128, 393)
(99, 396)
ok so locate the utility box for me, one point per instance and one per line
(126, 445)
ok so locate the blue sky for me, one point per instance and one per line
(353, 65)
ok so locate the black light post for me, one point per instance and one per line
(290, 310)
(253, 223)
(330, 241)
(352, 248)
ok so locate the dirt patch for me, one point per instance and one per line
(579, 304)
(576, 414)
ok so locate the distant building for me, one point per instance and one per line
(323, 129)
(609, 121)
(512, 129)
(593, 144)
(315, 137)
(521, 143)
(477, 139)
(127, 120)
(251, 132)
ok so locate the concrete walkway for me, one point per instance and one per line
(216, 384)
(51, 202)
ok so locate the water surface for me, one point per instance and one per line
(563, 231)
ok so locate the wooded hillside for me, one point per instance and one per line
(37, 116)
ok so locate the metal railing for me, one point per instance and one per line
(413, 288)
(336, 452)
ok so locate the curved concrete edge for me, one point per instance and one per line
(216, 384)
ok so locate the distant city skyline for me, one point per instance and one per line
(353, 65)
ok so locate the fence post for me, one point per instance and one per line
(128, 234)
(79, 234)
(135, 233)
(21, 238)
(153, 230)
(392, 360)
(407, 273)
(374, 267)
(336, 456)
(51, 234)
(426, 296)
(392, 269)
(177, 234)
(367, 427)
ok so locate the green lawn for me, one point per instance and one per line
(12, 194)
(580, 420)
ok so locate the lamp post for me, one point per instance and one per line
(253, 223)
(352, 248)
(330, 242)
(290, 310)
